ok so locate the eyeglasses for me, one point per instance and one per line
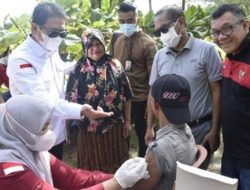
(55, 33)
(164, 29)
(225, 31)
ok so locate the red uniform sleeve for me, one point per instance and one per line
(22, 180)
(17, 176)
(3, 76)
(66, 177)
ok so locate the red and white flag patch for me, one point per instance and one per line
(26, 65)
(9, 168)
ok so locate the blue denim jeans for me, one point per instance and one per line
(230, 168)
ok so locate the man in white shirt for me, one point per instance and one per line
(35, 68)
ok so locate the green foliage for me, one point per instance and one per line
(146, 22)
(102, 14)
(243, 3)
(13, 31)
(84, 14)
(198, 21)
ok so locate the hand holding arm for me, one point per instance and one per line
(131, 171)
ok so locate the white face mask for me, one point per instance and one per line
(41, 142)
(4, 60)
(170, 39)
(128, 29)
(44, 142)
(50, 44)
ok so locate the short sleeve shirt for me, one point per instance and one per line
(173, 143)
(199, 63)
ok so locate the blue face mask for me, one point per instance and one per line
(128, 29)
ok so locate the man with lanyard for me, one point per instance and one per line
(230, 30)
(198, 62)
(135, 50)
(35, 68)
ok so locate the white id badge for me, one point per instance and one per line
(128, 65)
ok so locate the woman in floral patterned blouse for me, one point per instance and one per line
(99, 80)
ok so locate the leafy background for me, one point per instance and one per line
(102, 14)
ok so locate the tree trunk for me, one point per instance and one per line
(183, 5)
(150, 5)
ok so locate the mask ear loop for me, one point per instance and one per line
(176, 22)
(7, 116)
(41, 33)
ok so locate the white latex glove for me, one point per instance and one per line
(131, 171)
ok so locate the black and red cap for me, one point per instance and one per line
(172, 92)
